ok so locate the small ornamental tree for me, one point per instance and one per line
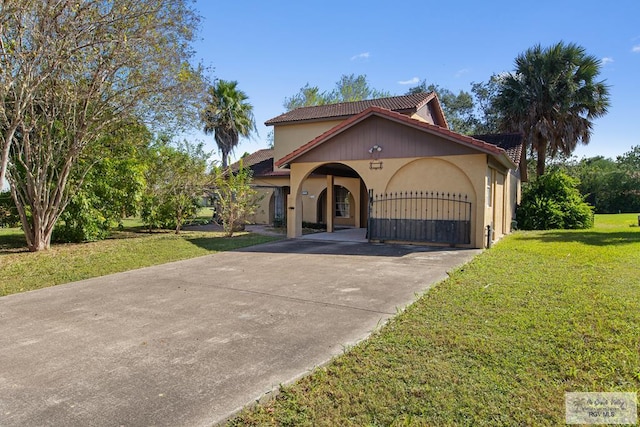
(176, 181)
(553, 201)
(236, 200)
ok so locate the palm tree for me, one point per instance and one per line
(228, 116)
(552, 99)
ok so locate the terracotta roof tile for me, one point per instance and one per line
(509, 142)
(463, 139)
(253, 159)
(395, 103)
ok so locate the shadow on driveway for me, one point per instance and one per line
(318, 247)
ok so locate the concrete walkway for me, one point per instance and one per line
(344, 235)
(191, 342)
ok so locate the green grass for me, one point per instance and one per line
(498, 343)
(22, 271)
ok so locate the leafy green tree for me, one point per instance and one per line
(352, 88)
(112, 188)
(487, 116)
(553, 201)
(235, 199)
(70, 72)
(348, 89)
(307, 97)
(176, 181)
(227, 115)
(458, 109)
(552, 99)
(594, 175)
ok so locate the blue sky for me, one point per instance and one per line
(273, 48)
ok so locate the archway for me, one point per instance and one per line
(343, 206)
(337, 182)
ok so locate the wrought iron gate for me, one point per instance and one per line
(420, 216)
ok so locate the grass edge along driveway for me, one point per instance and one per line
(22, 271)
(498, 343)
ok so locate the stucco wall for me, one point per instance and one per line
(265, 188)
(464, 173)
(291, 136)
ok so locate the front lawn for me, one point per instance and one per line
(129, 249)
(498, 343)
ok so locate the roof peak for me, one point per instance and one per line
(346, 109)
(469, 141)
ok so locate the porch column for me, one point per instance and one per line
(357, 200)
(294, 216)
(331, 204)
(294, 204)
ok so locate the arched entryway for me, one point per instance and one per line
(333, 195)
(343, 205)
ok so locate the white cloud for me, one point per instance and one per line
(462, 72)
(606, 60)
(363, 55)
(411, 81)
(636, 48)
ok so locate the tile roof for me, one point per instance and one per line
(346, 109)
(509, 142)
(446, 133)
(253, 158)
(261, 163)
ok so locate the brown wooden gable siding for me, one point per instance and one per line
(397, 141)
(426, 113)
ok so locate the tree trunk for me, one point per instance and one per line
(40, 240)
(38, 231)
(542, 157)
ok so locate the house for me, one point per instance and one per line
(389, 165)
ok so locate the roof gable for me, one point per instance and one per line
(466, 141)
(406, 104)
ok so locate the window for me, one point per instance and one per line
(342, 201)
(489, 187)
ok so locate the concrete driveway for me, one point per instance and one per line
(189, 343)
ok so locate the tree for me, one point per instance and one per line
(348, 89)
(552, 99)
(112, 188)
(458, 109)
(236, 200)
(352, 88)
(71, 72)
(484, 94)
(176, 181)
(227, 115)
(467, 113)
(307, 97)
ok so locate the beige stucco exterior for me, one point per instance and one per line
(324, 156)
(288, 137)
(455, 174)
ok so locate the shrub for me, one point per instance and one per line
(553, 201)
(81, 221)
(8, 212)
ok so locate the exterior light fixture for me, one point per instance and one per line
(374, 154)
(375, 149)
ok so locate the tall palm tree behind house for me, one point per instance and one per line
(227, 115)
